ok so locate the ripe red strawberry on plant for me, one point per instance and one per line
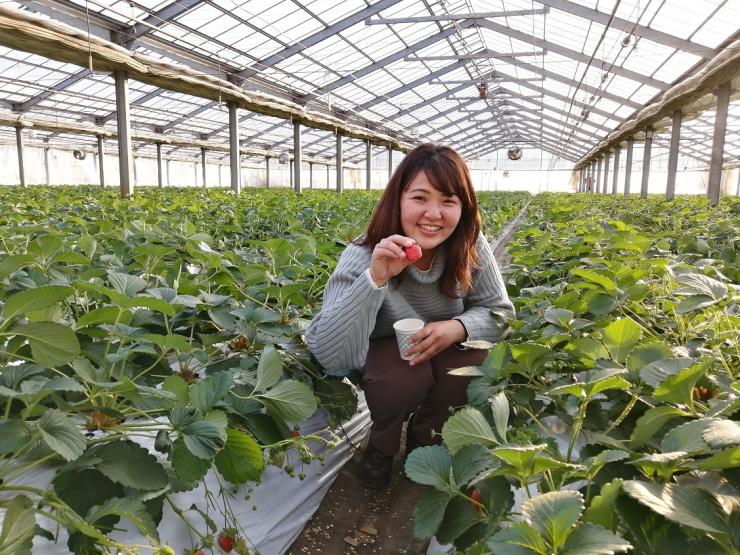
(476, 503)
(413, 253)
(226, 539)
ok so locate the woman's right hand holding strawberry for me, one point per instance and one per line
(389, 259)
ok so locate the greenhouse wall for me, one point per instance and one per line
(185, 171)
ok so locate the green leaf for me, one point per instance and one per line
(126, 284)
(176, 385)
(430, 511)
(128, 508)
(98, 489)
(519, 539)
(655, 372)
(678, 388)
(459, 516)
(51, 344)
(652, 421)
(35, 299)
(470, 461)
(590, 539)
(645, 354)
(269, 369)
(588, 347)
(465, 427)
(69, 257)
(14, 434)
(597, 278)
(602, 510)
(497, 496)
(206, 393)
(699, 284)
(497, 358)
(131, 465)
(721, 433)
(729, 458)
(61, 434)
(152, 303)
(559, 316)
(189, 468)
(19, 525)
(686, 437)
(10, 264)
(553, 515)
(240, 460)
(592, 382)
(528, 355)
(500, 409)
(429, 466)
(686, 505)
(203, 439)
(694, 302)
(290, 400)
(620, 337)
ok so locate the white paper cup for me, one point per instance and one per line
(404, 330)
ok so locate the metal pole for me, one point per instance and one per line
(737, 187)
(390, 162)
(19, 144)
(718, 143)
(670, 188)
(203, 165)
(598, 174)
(297, 157)
(628, 166)
(267, 171)
(123, 118)
(234, 154)
(368, 166)
(340, 164)
(47, 169)
(310, 175)
(582, 180)
(617, 152)
(101, 160)
(290, 173)
(646, 163)
(160, 177)
(327, 176)
(607, 155)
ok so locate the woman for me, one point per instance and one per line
(454, 287)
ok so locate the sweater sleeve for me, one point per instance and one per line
(339, 335)
(487, 305)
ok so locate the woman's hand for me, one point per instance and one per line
(388, 259)
(435, 338)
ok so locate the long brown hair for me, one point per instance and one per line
(447, 171)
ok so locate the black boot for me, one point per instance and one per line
(375, 468)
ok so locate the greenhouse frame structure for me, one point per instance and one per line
(578, 80)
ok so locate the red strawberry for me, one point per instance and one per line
(476, 503)
(413, 253)
(226, 542)
(294, 433)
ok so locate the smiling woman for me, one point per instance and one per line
(454, 287)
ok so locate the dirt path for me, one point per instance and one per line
(356, 520)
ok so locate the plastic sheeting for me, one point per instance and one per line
(271, 514)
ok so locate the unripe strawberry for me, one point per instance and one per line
(413, 253)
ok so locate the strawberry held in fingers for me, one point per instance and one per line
(413, 253)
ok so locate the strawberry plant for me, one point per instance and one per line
(613, 406)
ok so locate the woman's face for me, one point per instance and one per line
(427, 215)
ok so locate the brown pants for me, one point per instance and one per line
(394, 390)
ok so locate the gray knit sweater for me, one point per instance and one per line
(354, 310)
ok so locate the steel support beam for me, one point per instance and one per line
(638, 30)
(162, 17)
(670, 189)
(234, 154)
(310, 175)
(599, 163)
(628, 166)
(607, 157)
(101, 160)
(160, 180)
(267, 172)
(483, 55)
(316, 38)
(368, 165)
(327, 176)
(718, 143)
(203, 164)
(297, 157)
(340, 164)
(452, 17)
(123, 118)
(615, 180)
(47, 169)
(646, 163)
(19, 148)
(390, 162)
(69, 81)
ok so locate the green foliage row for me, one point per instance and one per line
(613, 407)
(173, 319)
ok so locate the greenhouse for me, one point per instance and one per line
(371, 276)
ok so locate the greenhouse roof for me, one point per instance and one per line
(559, 75)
